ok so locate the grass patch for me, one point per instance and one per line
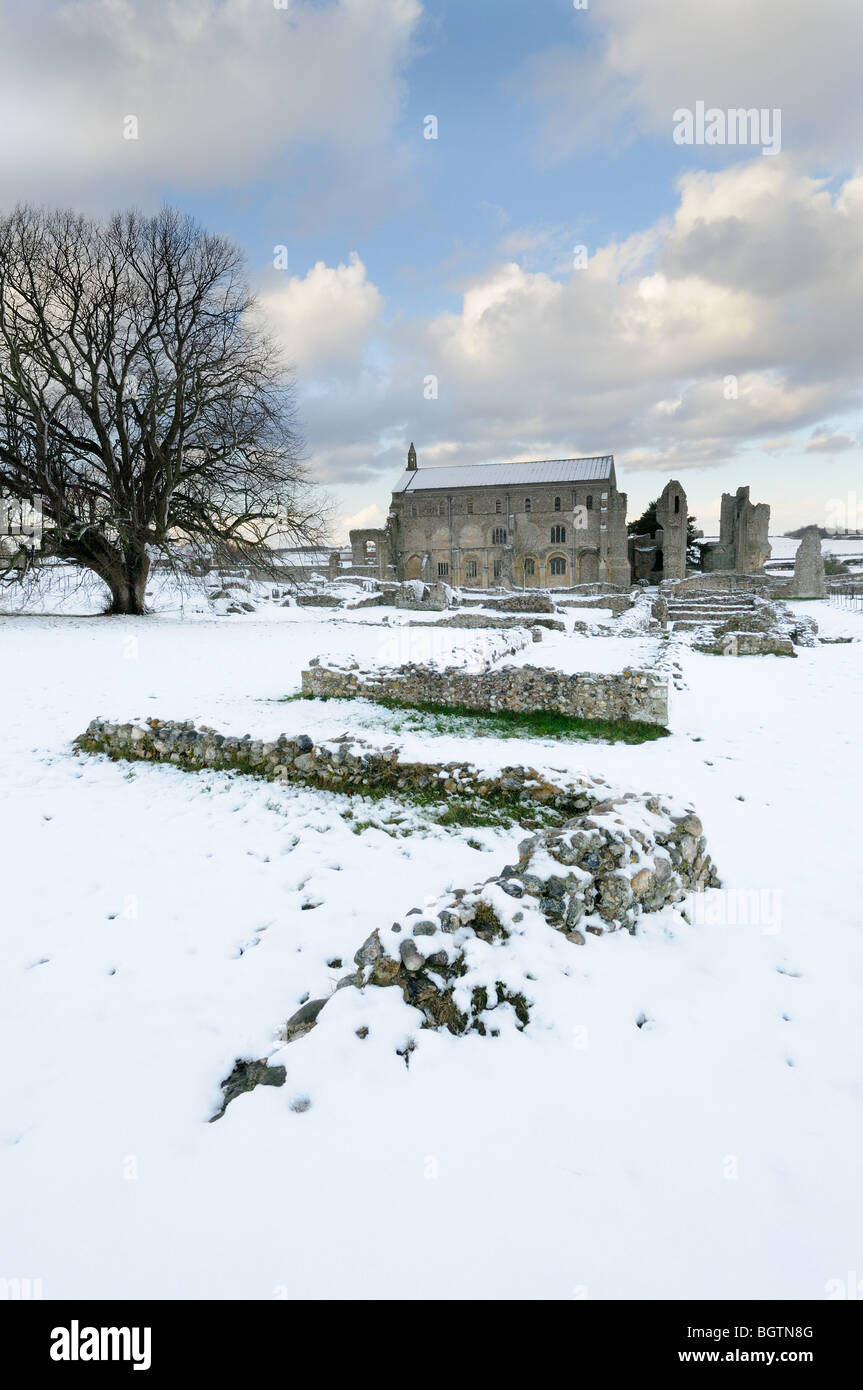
(497, 811)
(462, 722)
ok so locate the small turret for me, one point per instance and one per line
(412, 458)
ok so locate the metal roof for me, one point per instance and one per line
(585, 470)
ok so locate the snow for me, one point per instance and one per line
(157, 925)
(574, 652)
(785, 547)
(401, 644)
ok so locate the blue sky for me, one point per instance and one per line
(452, 258)
(483, 177)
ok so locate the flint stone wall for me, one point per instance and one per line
(617, 603)
(344, 765)
(499, 621)
(622, 696)
(719, 581)
(318, 601)
(532, 602)
(741, 643)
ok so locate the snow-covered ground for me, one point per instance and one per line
(573, 652)
(844, 547)
(156, 925)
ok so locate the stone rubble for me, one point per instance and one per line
(732, 621)
(599, 872)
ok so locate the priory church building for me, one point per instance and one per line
(546, 523)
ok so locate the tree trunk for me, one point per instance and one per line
(128, 586)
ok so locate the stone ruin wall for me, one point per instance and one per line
(622, 696)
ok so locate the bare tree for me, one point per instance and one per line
(141, 399)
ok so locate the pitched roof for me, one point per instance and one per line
(584, 470)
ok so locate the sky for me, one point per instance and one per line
(475, 224)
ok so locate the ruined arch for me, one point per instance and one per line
(588, 567)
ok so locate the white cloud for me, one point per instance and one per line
(366, 519)
(324, 318)
(757, 277)
(676, 349)
(644, 61)
(830, 443)
(220, 88)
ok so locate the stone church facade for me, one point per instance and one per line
(546, 523)
(543, 524)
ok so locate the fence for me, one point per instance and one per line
(848, 595)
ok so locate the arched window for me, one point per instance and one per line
(558, 535)
(530, 568)
(557, 504)
(558, 565)
(498, 535)
(590, 501)
(498, 506)
(527, 504)
(470, 506)
(677, 504)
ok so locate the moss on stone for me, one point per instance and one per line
(460, 721)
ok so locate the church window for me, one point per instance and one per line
(527, 504)
(498, 535)
(558, 565)
(470, 569)
(557, 504)
(530, 568)
(558, 535)
(443, 569)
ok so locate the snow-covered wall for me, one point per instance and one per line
(620, 696)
